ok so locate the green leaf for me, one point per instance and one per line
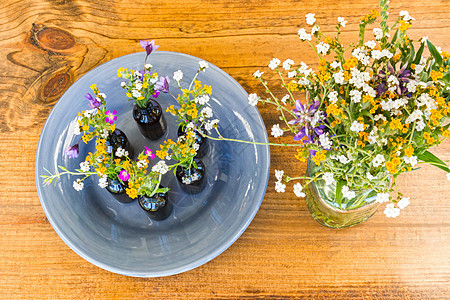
(432, 159)
(437, 57)
(394, 38)
(339, 186)
(419, 54)
(411, 54)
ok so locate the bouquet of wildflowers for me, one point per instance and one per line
(98, 122)
(183, 152)
(138, 182)
(372, 109)
(143, 84)
(193, 111)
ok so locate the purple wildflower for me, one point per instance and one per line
(93, 102)
(111, 116)
(402, 75)
(72, 152)
(312, 124)
(156, 94)
(124, 175)
(149, 152)
(148, 46)
(163, 84)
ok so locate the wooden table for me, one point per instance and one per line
(46, 45)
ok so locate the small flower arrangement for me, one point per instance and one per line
(98, 123)
(142, 84)
(139, 183)
(193, 111)
(182, 151)
(369, 115)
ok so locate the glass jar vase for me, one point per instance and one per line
(320, 199)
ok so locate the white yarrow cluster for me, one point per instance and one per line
(391, 211)
(382, 197)
(141, 164)
(355, 96)
(253, 99)
(335, 64)
(206, 113)
(160, 167)
(370, 44)
(357, 127)
(405, 16)
(333, 96)
(346, 193)
(78, 185)
(120, 152)
(325, 141)
(202, 100)
(303, 35)
(378, 33)
(310, 20)
(298, 190)
(277, 131)
(342, 21)
(411, 160)
(209, 125)
(103, 182)
(203, 65)
(328, 177)
(404, 202)
(275, 62)
(323, 48)
(178, 75)
(287, 64)
(284, 99)
(258, 74)
(339, 77)
(84, 166)
(378, 160)
(279, 186)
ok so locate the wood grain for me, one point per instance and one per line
(46, 45)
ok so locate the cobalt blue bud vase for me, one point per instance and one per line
(158, 207)
(193, 180)
(117, 139)
(150, 120)
(117, 189)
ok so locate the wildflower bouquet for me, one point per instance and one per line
(193, 111)
(142, 84)
(372, 110)
(107, 161)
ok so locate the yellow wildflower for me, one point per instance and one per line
(403, 25)
(409, 151)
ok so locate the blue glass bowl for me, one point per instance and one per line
(120, 237)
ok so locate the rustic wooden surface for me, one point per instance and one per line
(45, 45)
